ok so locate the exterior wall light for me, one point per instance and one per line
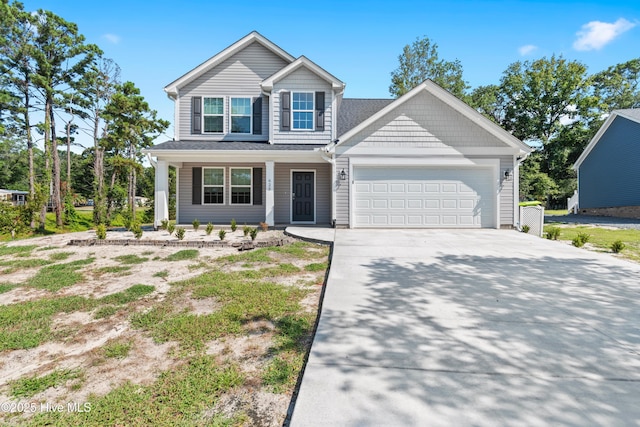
(343, 175)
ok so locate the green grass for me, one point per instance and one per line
(301, 250)
(183, 255)
(602, 238)
(57, 276)
(118, 270)
(60, 256)
(162, 274)
(105, 311)
(117, 349)
(242, 300)
(28, 324)
(128, 295)
(556, 212)
(11, 250)
(21, 264)
(316, 266)
(258, 255)
(29, 387)
(6, 287)
(131, 259)
(177, 398)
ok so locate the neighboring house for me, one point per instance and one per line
(15, 197)
(263, 136)
(609, 168)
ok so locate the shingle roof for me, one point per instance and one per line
(233, 145)
(353, 111)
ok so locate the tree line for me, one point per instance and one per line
(552, 103)
(54, 85)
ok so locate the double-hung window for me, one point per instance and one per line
(241, 188)
(240, 115)
(213, 186)
(302, 110)
(213, 113)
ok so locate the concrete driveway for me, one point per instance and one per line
(473, 327)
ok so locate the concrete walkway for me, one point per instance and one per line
(321, 235)
(473, 327)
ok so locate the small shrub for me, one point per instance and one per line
(101, 231)
(196, 224)
(246, 230)
(127, 219)
(221, 234)
(617, 246)
(209, 229)
(170, 228)
(264, 226)
(164, 223)
(253, 233)
(580, 240)
(234, 225)
(525, 228)
(180, 233)
(553, 233)
(136, 229)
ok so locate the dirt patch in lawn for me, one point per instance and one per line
(86, 325)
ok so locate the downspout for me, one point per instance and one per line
(153, 162)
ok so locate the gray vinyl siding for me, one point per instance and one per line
(423, 122)
(342, 193)
(610, 175)
(216, 214)
(302, 80)
(282, 191)
(238, 76)
(506, 192)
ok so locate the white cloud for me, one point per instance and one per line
(596, 34)
(112, 38)
(527, 49)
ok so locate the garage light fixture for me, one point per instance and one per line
(507, 174)
(343, 175)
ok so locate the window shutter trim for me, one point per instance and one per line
(196, 186)
(285, 111)
(257, 186)
(196, 115)
(319, 111)
(257, 115)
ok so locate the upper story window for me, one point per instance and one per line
(213, 113)
(240, 115)
(302, 110)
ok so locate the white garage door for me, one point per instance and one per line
(423, 197)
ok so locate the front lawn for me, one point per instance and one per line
(601, 238)
(155, 336)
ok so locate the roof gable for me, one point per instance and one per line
(253, 37)
(305, 62)
(629, 114)
(449, 100)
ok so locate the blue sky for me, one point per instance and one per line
(358, 41)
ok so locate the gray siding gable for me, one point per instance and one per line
(610, 175)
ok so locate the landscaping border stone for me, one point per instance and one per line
(242, 246)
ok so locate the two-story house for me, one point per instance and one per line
(263, 136)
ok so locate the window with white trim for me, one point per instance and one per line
(213, 114)
(240, 115)
(213, 186)
(302, 110)
(241, 186)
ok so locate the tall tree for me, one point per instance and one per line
(17, 70)
(61, 56)
(132, 127)
(95, 90)
(618, 86)
(543, 94)
(489, 101)
(420, 61)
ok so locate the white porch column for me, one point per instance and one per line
(269, 194)
(161, 193)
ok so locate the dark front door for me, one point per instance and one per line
(302, 197)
